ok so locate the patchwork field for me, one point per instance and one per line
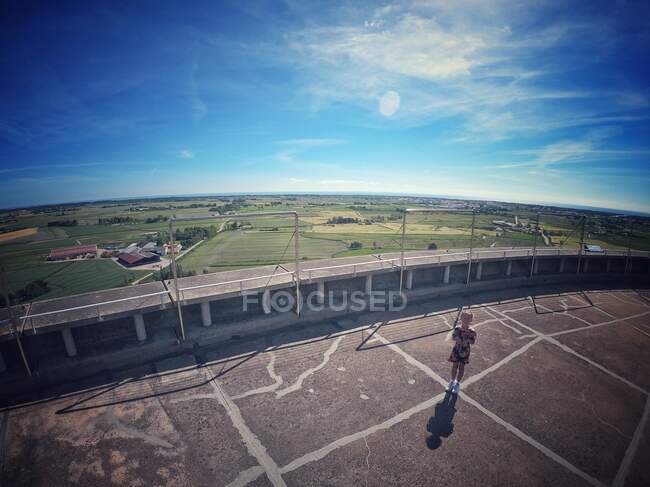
(231, 250)
(29, 235)
(74, 277)
(16, 234)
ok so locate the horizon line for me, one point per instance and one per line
(337, 193)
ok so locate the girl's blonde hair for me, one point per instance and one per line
(467, 316)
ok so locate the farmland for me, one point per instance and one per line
(329, 226)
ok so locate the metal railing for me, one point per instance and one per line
(438, 258)
(354, 266)
(296, 234)
(30, 316)
(237, 281)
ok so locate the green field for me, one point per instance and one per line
(268, 240)
(230, 250)
(74, 277)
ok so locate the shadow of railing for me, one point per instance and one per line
(100, 390)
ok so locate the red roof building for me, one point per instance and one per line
(72, 252)
(137, 258)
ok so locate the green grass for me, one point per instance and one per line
(67, 278)
(236, 249)
(25, 259)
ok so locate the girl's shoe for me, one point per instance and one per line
(456, 388)
(450, 387)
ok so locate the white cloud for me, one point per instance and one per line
(466, 59)
(186, 154)
(197, 104)
(589, 149)
(63, 179)
(295, 147)
(346, 182)
(308, 143)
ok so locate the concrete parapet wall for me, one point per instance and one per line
(224, 317)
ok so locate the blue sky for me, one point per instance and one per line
(514, 101)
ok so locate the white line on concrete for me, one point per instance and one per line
(515, 310)
(591, 362)
(637, 329)
(523, 436)
(413, 361)
(324, 451)
(516, 330)
(136, 433)
(629, 324)
(492, 320)
(193, 397)
(565, 313)
(550, 339)
(491, 311)
(632, 447)
(528, 335)
(444, 318)
(626, 301)
(612, 322)
(327, 449)
(605, 312)
(270, 368)
(246, 476)
(255, 447)
(301, 378)
(365, 439)
(504, 361)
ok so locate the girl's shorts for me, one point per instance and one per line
(459, 355)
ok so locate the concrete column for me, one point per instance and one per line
(509, 268)
(206, 315)
(586, 266)
(445, 278)
(3, 365)
(68, 341)
(479, 271)
(609, 265)
(140, 330)
(536, 266)
(320, 291)
(266, 301)
(562, 260)
(409, 280)
(369, 284)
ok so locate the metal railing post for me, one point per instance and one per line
(532, 261)
(12, 321)
(297, 264)
(172, 248)
(471, 246)
(582, 243)
(629, 250)
(401, 259)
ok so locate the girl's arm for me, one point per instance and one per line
(456, 336)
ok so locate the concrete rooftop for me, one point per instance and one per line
(556, 393)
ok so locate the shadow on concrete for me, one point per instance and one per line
(114, 394)
(441, 424)
(587, 303)
(93, 388)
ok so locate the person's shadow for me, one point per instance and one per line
(441, 426)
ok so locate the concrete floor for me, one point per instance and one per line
(556, 393)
